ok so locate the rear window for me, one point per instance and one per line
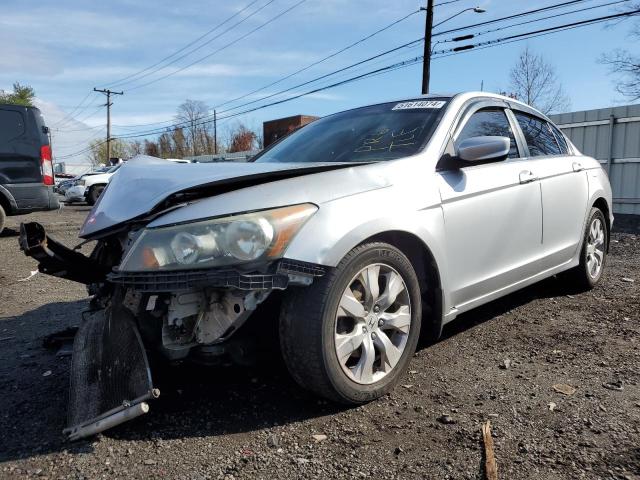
(540, 139)
(564, 147)
(11, 125)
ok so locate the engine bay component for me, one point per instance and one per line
(205, 317)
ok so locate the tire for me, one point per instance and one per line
(3, 219)
(94, 194)
(311, 328)
(584, 275)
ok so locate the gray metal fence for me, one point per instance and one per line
(612, 135)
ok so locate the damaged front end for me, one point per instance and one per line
(152, 293)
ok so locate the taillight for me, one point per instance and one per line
(47, 165)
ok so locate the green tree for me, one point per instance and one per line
(21, 95)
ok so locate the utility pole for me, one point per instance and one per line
(215, 133)
(426, 61)
(108, 93)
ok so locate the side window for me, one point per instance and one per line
(564, 147)
(538, 134)
(489, 122)
(11, 125)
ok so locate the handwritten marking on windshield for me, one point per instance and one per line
(386, 140)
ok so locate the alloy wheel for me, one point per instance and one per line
(372, 323)
(595, 248)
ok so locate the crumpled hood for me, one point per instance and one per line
(144, 182)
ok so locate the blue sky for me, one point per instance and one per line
(64, 48)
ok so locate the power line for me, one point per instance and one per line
(332, 55)
(409, 62)
(517, 15)
(70, 114)
(509, 17)
(321, 77)
(80, 152)
(120, 81)
(255, 12)
(242, 37)
(277, 102)
(543, 30)
(580, 10)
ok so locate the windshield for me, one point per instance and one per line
(378, 132)
(114, 169)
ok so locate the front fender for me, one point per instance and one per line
(341, 225)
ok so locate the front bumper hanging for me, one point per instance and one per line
(56, 259)
(110, 375)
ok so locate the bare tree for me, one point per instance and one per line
(625, 65)
(98, 151)
(165, 148)
(241, 139)
(151, 148)
(533, 80)
(135, 148)
(190, 114)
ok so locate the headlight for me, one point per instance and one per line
(80, 182)
(233, 240)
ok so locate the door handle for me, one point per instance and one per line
(577, 166)
(527, 176)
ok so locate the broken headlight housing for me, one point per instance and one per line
(231, 240)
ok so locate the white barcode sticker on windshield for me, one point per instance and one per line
(419, 104)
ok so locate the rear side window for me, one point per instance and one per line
(11, 125)
(492, 122)
(538, 134)
(564, 147)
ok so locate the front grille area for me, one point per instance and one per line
(172, 281)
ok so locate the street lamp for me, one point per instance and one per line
(428, 28)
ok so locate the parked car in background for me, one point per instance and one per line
(26, 166)
(360, 231)
(89, 187)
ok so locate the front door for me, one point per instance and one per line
(492, 216)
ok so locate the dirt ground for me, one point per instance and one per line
(497, 363)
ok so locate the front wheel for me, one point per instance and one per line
(350, 335)
(94, 194)
(594, 252)
(3, 218)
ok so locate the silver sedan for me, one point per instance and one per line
(356, 233)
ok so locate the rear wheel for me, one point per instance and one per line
(3, 218)
(594, 252)
(350, 335)
(94, 194)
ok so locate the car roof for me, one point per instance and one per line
(16, 106)
(462, 97)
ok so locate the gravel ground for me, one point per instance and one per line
(497, 363)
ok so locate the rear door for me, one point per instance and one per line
(492, 213)
(564, 188)
(19, 147)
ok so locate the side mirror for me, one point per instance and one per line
(483, 149)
